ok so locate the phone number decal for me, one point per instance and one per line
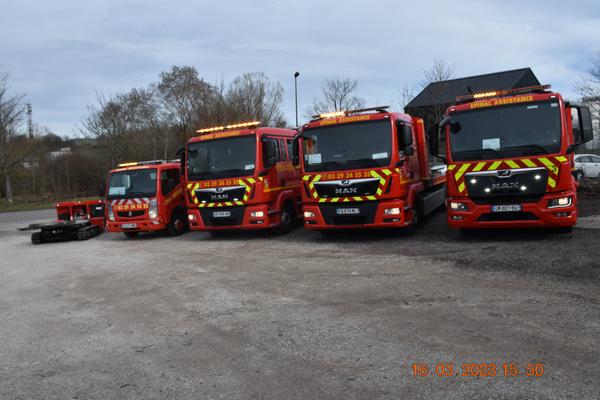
(478, 370)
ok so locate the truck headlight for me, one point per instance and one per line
(309, 214)
(111, 214)
(458, 206)
(392, 211)
(560, 202)
(191, 217)
(257, 214)
(153, 209)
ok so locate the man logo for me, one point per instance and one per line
(129, 214)
(506, 186)
(505, 173)
(345, 182)
(219, 189)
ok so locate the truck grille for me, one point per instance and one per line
(131, 214)
(221, 194)
(492, 186)
(347, 188)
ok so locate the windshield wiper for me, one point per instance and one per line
(532, 147)
(475, 154)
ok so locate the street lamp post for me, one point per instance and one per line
(296, 75)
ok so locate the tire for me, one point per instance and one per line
(131, 235)
(288, 219)
(579, 176)
(177, 226)
(36, 238)
(412, 228)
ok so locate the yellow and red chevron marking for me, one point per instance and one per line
(246, 182)
(552, 164)
(381, 175)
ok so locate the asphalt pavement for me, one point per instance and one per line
(301, 316)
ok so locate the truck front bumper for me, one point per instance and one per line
(372, 214)
(535, 214)
(258, 216)
(140, 226)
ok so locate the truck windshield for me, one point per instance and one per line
(133, 183)
(222, 158)
(505, 131)
(348, 146)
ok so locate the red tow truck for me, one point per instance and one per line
(146, 196)
(510, 158)
(366, 168)
(241, 176)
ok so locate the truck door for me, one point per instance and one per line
(273, 176)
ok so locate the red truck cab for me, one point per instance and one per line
(510, 158)
(146, 196)
(241, 177)
(366, 168)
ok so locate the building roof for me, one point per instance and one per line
(445, 92)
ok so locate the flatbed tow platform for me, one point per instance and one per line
(77, 220)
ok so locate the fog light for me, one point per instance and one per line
(458, 206)
(457, 217)
(191, 217)
(562, 214)
(309, 214)
(257, 214)
(560, 202)
(392, 211)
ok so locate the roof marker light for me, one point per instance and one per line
(232, 126)
(127, 164)
(333, 114)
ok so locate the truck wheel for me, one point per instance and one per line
(177, 225)
(412, 228)
(36, 238)
(287, 218)
(131, 235)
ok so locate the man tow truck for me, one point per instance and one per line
(241, 176)
(146, 196)
(510, 158)
(366, 168)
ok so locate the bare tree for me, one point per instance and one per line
(589, 89)
(183, 95)
(338, 94)
(405, 96)
(253, 96)
(441, 70)
(13, 147)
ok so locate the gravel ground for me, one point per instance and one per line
(299, 316)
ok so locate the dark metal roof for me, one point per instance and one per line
(445, 92)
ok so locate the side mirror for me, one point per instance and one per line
(405, 138)
(270, 152)
(181, 155)
(296, 151)
(434, 139)
(585, 124)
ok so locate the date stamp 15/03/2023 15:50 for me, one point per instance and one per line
(478, 370)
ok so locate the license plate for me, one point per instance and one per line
(129, 226)
(221, 214)
(347, 211)
(506, 208)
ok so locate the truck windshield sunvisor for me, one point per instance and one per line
(348, 146)
(506, 131)
(222, 158)
(132, 184)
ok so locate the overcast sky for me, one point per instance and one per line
(60, 53)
